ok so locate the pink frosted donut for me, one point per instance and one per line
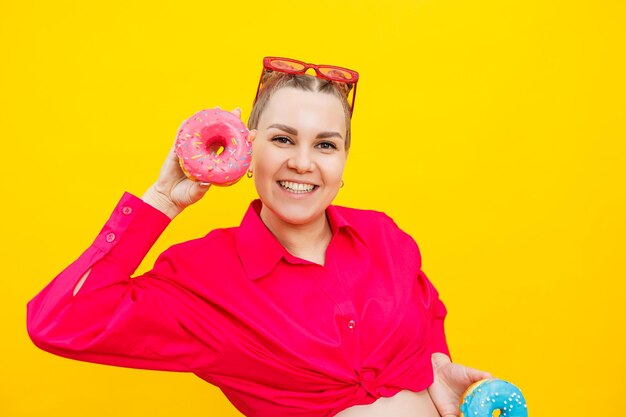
(212, 146)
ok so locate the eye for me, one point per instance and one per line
(327, 145)
(281, 139)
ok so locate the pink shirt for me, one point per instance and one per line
(279, 335)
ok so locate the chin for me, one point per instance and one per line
(297, 216)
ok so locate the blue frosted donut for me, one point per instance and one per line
(484, 397)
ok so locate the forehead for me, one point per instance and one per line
(304, 110)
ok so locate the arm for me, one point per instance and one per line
(154, 199)
(450, 379)
(411, 250)
(112, 318)
(94, 311)
(439, 343)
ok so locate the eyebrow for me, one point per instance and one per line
(291, 130)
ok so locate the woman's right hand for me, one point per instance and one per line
(173, 191)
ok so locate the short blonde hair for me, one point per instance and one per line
(274, 81)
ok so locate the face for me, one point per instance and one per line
(298, 156)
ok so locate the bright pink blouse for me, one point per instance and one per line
(279, 335)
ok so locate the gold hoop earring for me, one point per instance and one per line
(249, 173)
(341, 186)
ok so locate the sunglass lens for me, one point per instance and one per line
(336, 74)
(280, 64)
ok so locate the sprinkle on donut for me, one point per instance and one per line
(488, 395)
(212, 147)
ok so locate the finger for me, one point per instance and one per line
(197, 190)
(237, 112)
(476, 375)
(172, 155)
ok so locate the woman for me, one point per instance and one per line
(305, 309)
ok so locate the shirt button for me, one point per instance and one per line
(110, 237)
(351, 324)
(127, 210)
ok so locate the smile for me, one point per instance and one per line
(297, 188)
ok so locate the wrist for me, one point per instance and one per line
(161, 202)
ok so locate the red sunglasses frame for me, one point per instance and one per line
(267, 66)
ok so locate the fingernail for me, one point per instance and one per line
(205, 184)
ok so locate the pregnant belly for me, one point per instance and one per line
(404, 404)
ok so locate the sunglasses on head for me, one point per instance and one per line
(327, 72)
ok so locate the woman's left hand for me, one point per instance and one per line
(451, 381)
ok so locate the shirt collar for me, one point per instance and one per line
(259, 250)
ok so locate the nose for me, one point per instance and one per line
(300, 160)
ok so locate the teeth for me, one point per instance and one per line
(296, 187)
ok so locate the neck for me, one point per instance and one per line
(307, 241)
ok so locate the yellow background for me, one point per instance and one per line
(492, 131)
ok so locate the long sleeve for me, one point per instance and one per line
(115, 319)
(438, 339)
(438, 309)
